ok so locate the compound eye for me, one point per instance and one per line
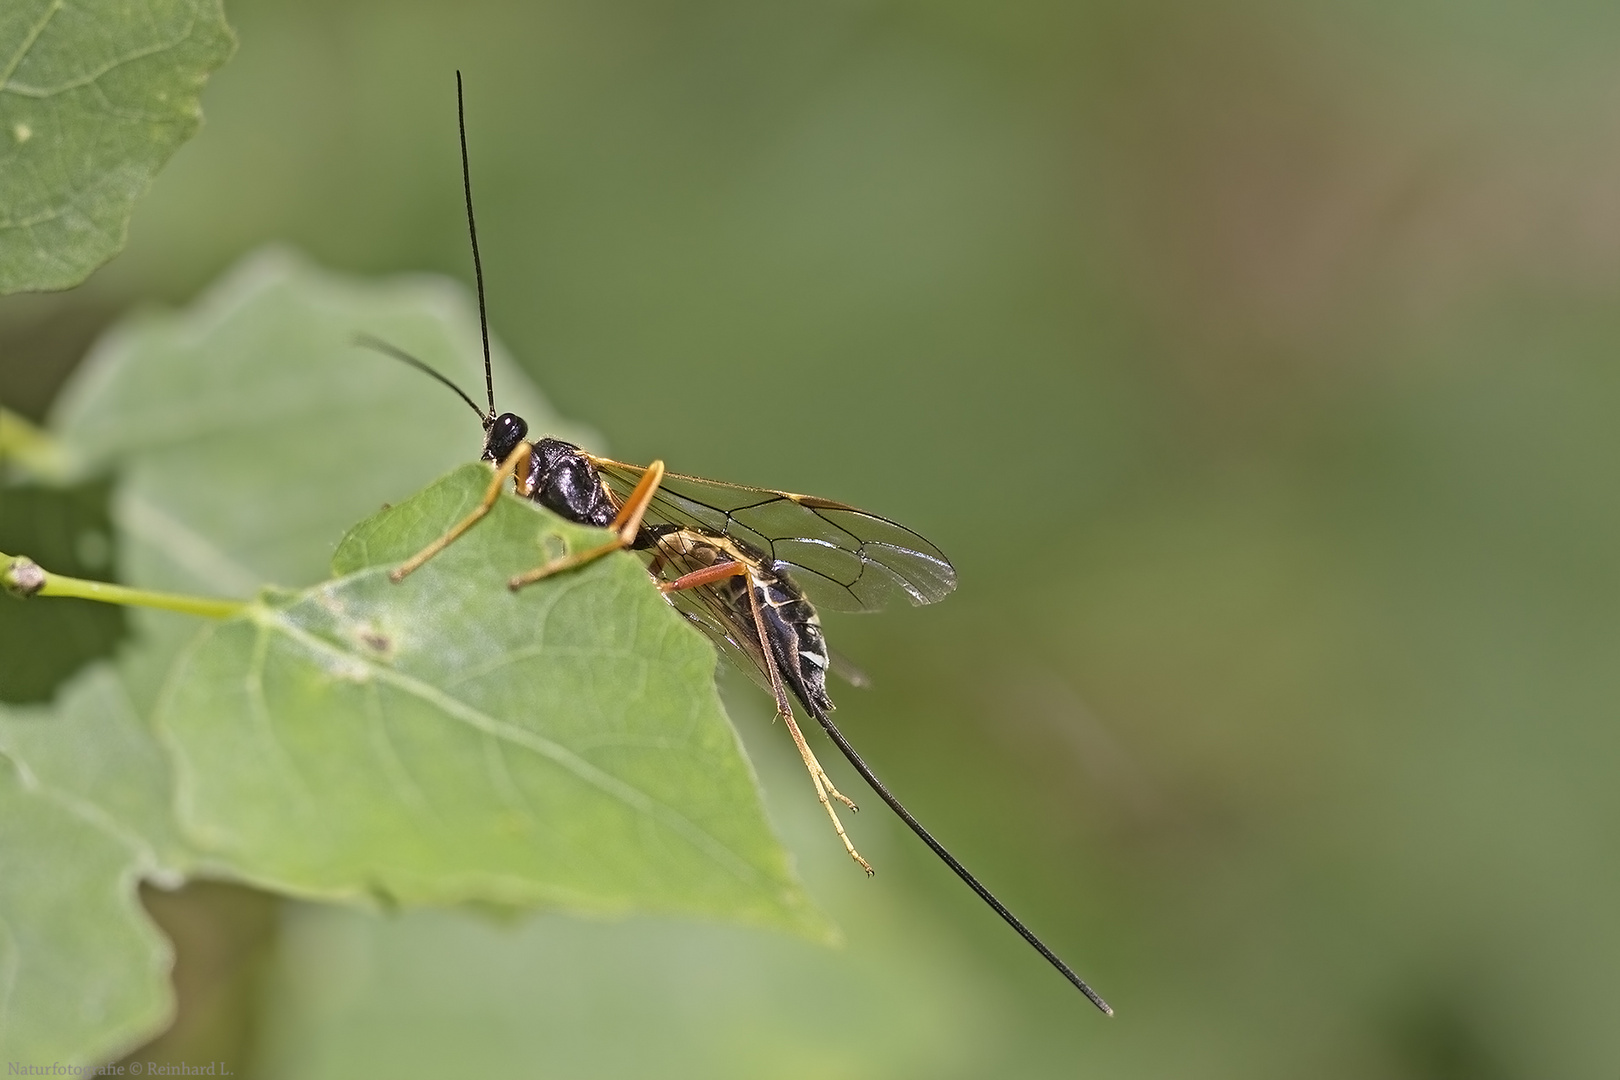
(508, 430)
(512, 427)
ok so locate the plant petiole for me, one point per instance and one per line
(22, 576)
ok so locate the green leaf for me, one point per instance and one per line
(83, 972)
(234, 430)
(95, 95)
(915, 993)
(94, 750)
(88, 811)
(448, 740)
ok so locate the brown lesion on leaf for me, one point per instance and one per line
(376, 642)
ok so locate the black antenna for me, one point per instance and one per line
(472, 231)
(377, 343)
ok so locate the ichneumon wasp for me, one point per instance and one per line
(748, 566)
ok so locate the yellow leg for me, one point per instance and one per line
(566, 562)
(840, 796)
(516, 461)
(824, 788)
(818, 776)
(626, 524)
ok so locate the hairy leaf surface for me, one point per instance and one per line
(95, 95)
(446, 739)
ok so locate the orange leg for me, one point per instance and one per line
(626, 524)
(706, 576)
(825, 791)
(516, 462)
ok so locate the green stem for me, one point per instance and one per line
(22, 576)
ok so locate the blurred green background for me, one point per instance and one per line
(1255, 362)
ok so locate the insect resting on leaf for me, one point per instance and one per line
(748, 566)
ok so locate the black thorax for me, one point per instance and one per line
(560, 476)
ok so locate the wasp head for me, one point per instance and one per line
(503, 435)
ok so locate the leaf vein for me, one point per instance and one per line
(406, 789)
(28, 43)
(501, 777)
(605, 782)
(259, 707)
(92, 77)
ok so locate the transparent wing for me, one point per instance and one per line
(843, 558)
